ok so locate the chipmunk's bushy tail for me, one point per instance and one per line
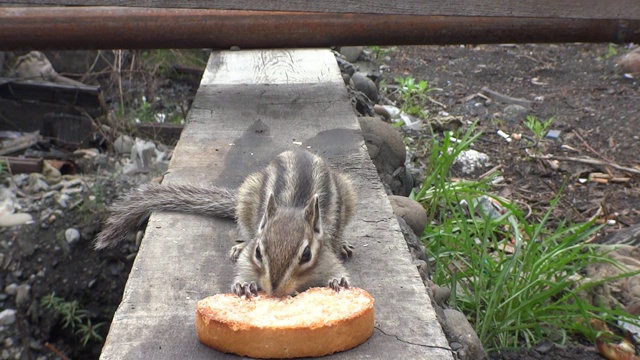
(129, 213)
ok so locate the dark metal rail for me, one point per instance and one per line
(24, 28)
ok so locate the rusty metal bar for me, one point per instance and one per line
(140, 28)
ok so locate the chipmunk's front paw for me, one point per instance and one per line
(347, 250)
(337, 285)
(245, 289)
(236, 250)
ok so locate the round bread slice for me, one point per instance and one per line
(317, 322)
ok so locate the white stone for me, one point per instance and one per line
(471, 160)
(7, 317)
(72, 235)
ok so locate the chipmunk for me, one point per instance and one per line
(290, 215)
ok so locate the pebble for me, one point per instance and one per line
(15, 219)
(351, 53)
(365, 85)
(7, 317)
(11, 289)
(23, 295)
(514, 113)
(630, 62)
(37, 183)
(472, 160)
(72, 235)
(62, 200)
(123, 144)
(6, 354)
(7, 201)
(411, 211)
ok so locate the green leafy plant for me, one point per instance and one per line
(537, 127)
(73, 317)
(379, 51)
(612, 51)
(514, 276)
(414, 95)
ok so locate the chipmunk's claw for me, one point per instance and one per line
(347, 250)
(245, 289)
(338, 285)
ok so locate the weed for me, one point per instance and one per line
(538, 128)
(414, 95)
(73, 317)
(612, 51)
(144, 113)
(514, 277)
(379, 51)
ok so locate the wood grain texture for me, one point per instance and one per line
(578, 9)
(235, 127)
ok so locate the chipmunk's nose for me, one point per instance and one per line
(282, 290)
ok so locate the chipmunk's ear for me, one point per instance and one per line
(312, 214)
(269, 213)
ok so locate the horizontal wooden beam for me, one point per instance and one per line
(24, 28)
(571, 9)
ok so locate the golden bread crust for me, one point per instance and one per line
(317, 322)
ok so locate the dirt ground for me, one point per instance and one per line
(594, 106)
(596, 109)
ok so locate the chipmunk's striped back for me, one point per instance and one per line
(294, 177)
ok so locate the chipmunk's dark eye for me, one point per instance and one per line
(306, 255)
(258, 254)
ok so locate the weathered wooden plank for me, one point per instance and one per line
(578, 9)
(247, 110)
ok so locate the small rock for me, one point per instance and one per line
(11, 289)
(8, 342)
(346, 67)
(346, 78)
(423, 269)
(630, 62)
(23, 295)
(365, 85)
(5, 354)
(544, 347)
(458, 329)
(142, 154)
(123, 144)
(91, 283)
(387, 151)
(515, 113)
(441, 295)
(15, 219)
(62, 200)
(413, 242)
(51, 173)
(472, 160)
(382, 111)
(351, 53)
(7, 317)
(7, 201)
(370, 69)
(411, 211)
(36, 183)
(72, 235)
